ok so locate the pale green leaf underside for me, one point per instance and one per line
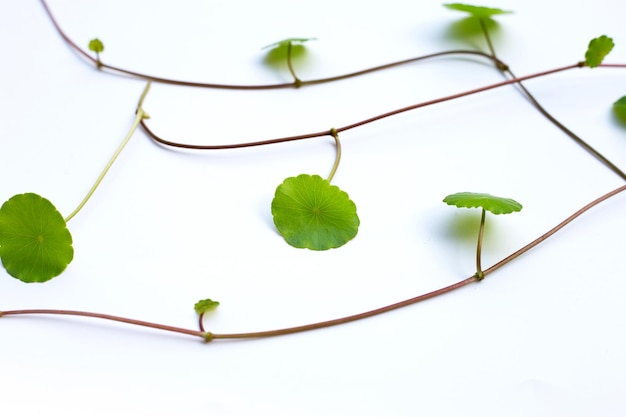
(35, 244)
(496, 205)
(619, 108)
(203, 306)
(598, 49)
(96, 45)
(480, 12)
(286, 42)
(311, 213)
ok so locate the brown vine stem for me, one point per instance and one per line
(505, 69)
(104, 317)
(577, 139)
(166, 142)
(97, 62)
(208, 336)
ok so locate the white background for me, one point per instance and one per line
(543, 336)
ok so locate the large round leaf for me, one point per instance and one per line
(310, 213)
(496, 205)
(35, 244)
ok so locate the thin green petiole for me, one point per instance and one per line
(479, 270)
(296, 80)
(483, 26)
(140, 115)
(335, 135)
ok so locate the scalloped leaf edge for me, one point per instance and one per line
(491, 203)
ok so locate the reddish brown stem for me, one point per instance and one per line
(104, 317)
(555, 229)
(208, 336)
(357, 124)
(348, 319)
(97, 62)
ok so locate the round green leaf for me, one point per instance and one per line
(619, 109)
(35, 244)
(596, 51)
(310, 213)
(496, 205)
(203, 306)
(476, 11)
(96, 45)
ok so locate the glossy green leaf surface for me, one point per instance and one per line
(286, 42)
(311, 213)
(496, 205)
(598, 49)
(95, 45)
(35, 244)
(203, 306)
(619, 109)
(480, 12)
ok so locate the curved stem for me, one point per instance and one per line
(506, 70)
(479, 270)
(555, 229)
(101, 65)
(208, 336)
(201, 322)
(333, 132)
(347, 319)
(567, 131)
(297, 82)
(483, 27)
(357, 124)
(105, 317)
(140, 115)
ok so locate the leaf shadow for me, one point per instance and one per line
(464, 226)
(469, 31)
(619, 120)
(277, 57)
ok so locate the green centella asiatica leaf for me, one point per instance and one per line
(205, 305)
(480, 12)
(598, 49)
(496, 205)
(619, 109)
(96, 45)
(35, 244)
(311, 213)
(285, 49)
(286, 42)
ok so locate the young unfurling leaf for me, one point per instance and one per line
(596, 51)
(203, 306)
(96, 45)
